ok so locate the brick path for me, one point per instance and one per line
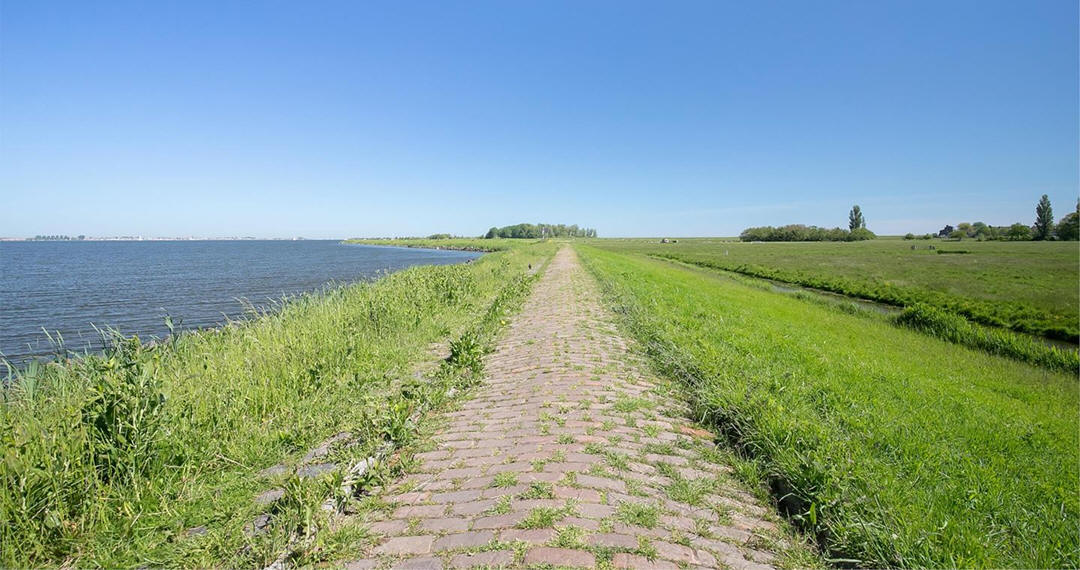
(569, 455)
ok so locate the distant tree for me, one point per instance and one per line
(958, 234)
(909, 235)
(855, 218)
(1044, 219)
(966, 228)
(539, 231)
(946, 231)
(927, 236)
(860, 234)
(980, 231)
(1069, 227)
(1018, 232)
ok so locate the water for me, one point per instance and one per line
(68, 286)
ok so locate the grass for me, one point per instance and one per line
(538, 490)
(888, 446)
(638, 514)
(954, 328)
(109, 459)
(1026, 286)
(505, 479)
(545, 517)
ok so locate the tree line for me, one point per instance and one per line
(1044, 228)
(798, 232)
(538, 231)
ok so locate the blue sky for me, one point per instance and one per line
(335, 119)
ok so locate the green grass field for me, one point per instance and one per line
(107, 461)
(1026, 286)
(889, 446)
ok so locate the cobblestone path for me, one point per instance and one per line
(570, 455)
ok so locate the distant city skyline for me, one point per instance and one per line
(346, 119)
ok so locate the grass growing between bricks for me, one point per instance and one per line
(110, 460)
(889, 447)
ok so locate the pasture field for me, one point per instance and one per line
(152, 455)
(1031, 287)
(888, 446)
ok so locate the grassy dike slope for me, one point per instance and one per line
(107, 460)
(892, 448)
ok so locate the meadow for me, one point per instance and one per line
(889, 446)
(113, 460)
(1030, 287)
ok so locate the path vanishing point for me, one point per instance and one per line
(570, 454)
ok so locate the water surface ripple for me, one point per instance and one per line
(131, 285)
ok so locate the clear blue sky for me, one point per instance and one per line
(335, 119)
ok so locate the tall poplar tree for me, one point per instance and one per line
(1044, 219)
(855, 218)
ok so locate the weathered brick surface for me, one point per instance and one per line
(568, 430)
(560, 557)
(490, 559)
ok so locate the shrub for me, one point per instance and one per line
(799, 232)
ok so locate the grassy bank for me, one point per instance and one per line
(889, 446)
(110, 461)
(1026, 286)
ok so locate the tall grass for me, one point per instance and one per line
(108, 459)
(954, 328)
(888, 446)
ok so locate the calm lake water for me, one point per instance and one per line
(67, 286)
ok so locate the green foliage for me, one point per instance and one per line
(108, 459)
(1043, 228)
(799, 232)
(855, 219)
(544, 517)
(1068, 229)
(890, 447)
(539, 490)
(505, 479)
(638, 514)
(537, 231)
(467, 352)
(1018, 232)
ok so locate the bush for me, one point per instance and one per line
(799, 232)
